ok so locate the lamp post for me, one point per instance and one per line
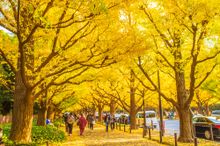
(160, 108)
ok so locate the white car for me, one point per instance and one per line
(216, 113)
(151, 118)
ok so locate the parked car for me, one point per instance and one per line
(150, 116)
(216, 113)
(203, 126)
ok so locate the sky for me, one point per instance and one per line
(5, 30)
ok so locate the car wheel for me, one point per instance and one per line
(207, 134)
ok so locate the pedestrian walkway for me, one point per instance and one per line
(98, 137)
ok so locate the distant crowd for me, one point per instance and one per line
(81, 121)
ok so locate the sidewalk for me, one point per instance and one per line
(98, 137)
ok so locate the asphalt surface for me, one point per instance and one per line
(172, 126)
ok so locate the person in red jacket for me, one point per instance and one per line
(82, 123)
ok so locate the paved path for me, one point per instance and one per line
(98, 137)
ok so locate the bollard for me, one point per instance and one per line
(120, 126)
(124, 128)
(175, 139)
(130, 129)
(47, 143)
(149, 133)
(194, 130)
(144, 131)
(195, 142)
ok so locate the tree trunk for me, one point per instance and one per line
(182, 98)
(22, 115)
(112, 108)
(133, 118)
(42, 115)
(186, 133)
(51, 113)
(100, 108)
(200, 108)
(132, 102)
(207, 110)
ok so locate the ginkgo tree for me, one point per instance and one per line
(52, 48)
(118, 86)
(179, 32)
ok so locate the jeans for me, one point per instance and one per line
(106, 124)
(70, 128)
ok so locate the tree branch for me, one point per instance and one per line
(208, 58)
(154, 85)
(206, 76)
(7, 60)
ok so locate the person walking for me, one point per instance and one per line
(82, 124)
(107, 121)
(91, 122)
(112, 122)
(65, 116)
(70, 121)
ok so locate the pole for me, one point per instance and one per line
(195, 142)
(175, 139)
(149, 133)
(144, 126)
(160, 108)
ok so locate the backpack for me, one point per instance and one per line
(70, 119)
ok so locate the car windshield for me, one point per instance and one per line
(216, 112)
(148, 115)
(213, 120)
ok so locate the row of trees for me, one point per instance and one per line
(52, 47)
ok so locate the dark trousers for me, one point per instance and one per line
(66, 127)
(106, 124)
(70, 128)
(91, 126)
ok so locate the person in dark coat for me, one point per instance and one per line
(91, 121)
(107, 121)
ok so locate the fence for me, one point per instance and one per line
(148, 130)
(123, 127)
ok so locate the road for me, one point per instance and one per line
(172, 126)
